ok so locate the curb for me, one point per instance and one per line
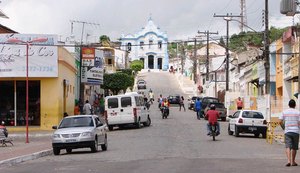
(25, 158)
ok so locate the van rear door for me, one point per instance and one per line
(126, 109)
(113, 111)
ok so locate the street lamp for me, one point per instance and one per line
(27, 43)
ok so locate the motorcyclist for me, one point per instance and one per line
(2, 127)
(212, 116)
(165, 105)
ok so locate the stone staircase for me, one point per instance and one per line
(186, 84)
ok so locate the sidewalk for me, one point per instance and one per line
(186, 84)
(39, 145)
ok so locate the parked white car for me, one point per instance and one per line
(79, 131)
(126, 109)
(247, 121)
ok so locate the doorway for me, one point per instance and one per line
(159, 63)
(151, 62)
(143, 59)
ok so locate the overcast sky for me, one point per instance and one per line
(181, 19)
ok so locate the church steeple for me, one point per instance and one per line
(150, 17)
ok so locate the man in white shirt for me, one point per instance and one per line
(290, 120)
(87, 108)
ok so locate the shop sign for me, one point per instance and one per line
(88, 57)
(42, 57)
(94, 75)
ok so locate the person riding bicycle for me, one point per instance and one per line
(212, 116)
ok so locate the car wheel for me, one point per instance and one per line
(148, 122)
(110, 128)
(69, 150)
(104, 146)
(256, 134)
(229, 131)
(56, 151)
(223, 118)
(236, 132)
(94, 146)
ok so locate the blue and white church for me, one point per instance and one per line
(150, 45)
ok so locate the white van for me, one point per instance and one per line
(125, 109)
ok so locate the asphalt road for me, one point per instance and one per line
(175, 145)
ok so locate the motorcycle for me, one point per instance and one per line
(213, 129)
(164, 112)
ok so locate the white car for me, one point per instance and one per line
(141, 84)
(247, 121)
(79, 131)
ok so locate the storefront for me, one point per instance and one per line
(51, 82)
(12, 100)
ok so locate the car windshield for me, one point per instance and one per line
(76, 122)
(212, 100)
(251, 114)
(194, 98)
(219, 105)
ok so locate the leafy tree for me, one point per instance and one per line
(127, 71)
(117, 82)
(137, 65)
(104, 41)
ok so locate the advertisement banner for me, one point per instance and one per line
(42, 56)
(94, 75)
(88, 57)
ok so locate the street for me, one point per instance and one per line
(177, 144)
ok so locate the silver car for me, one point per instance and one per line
(79, 131)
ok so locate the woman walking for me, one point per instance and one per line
(181, 103)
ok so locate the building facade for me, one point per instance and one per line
(149, 45)
(51, 82)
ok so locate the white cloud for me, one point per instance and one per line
(181, 19)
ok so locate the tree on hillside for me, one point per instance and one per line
(239, 41)
(117, 82)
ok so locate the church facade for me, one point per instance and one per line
(150, 45)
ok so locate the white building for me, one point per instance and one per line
(149, 45)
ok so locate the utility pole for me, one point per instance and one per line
(227, 18)
(207, 33)
(267, 48)
(195, 61)
(81, 85)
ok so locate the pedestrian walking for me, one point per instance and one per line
(76, 109)
(239, 104)
(87, 108)
(197, 108)
(101, 105)
(181, 103)
(151, 96)
(290, 121)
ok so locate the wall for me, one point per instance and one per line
(52, 91)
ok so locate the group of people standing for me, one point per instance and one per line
(87, 108)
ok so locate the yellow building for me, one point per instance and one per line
(51, 84)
